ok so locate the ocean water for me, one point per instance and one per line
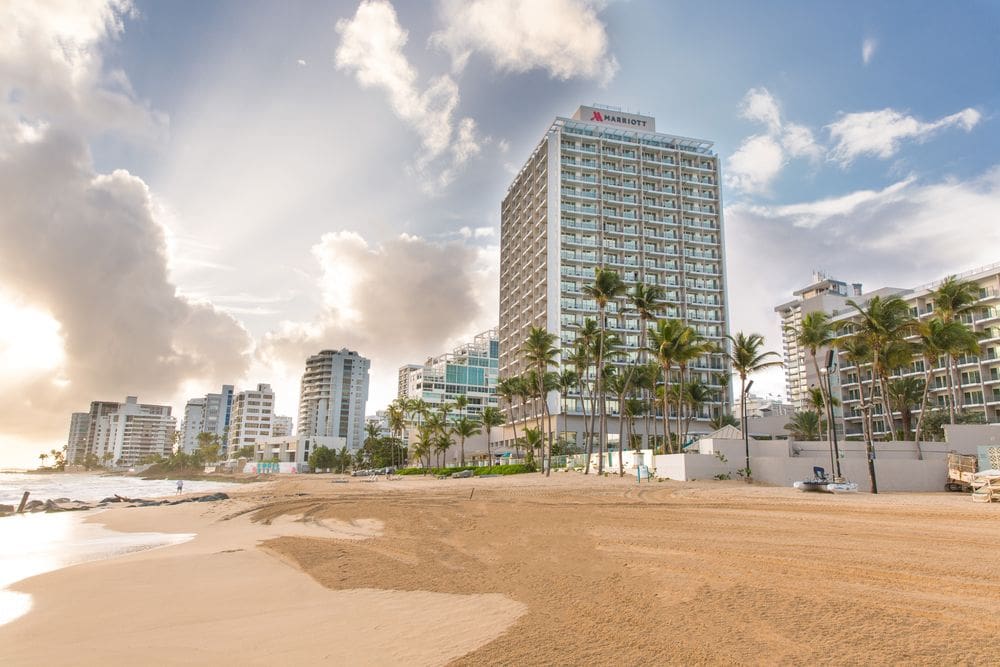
(32, 544)
(92, 487)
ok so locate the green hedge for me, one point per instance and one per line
(513, 469)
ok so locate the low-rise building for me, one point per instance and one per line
(294, 448)
(281, 426)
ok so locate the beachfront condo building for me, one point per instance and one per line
(333, 395)
(281, 426)
(251, 419)
(470, 370)
(76, 444)
(977, 383)
(822, 294)
(603, 188)
(207, 414)
(134, 432)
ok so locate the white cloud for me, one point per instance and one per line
(301, 62)
(754, 164)
(760, 106)
(906, 234)
(566, 38)
(51, 68)
(760, 158)
(85, 252)
(880, 133)
(868, 49)
(394, 302)
(371, 47)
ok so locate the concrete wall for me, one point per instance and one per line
(780, 462)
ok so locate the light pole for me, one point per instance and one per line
(746, 427)
(828, 371)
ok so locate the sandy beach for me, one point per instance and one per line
(528, 570)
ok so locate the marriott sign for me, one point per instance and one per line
(616, 118)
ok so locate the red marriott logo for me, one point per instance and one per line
(616, 118)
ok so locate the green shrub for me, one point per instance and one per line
(513, 469)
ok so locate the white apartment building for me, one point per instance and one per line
(98, 409)
(822, 294)
(763, 406)
(604, 189)
(76, 444)
(979, 375)
(208, 414)
(135, 431)
(404, 387)
(281, 426)
(333, 395)
(470, 370)
(191, 426)
(251, 418)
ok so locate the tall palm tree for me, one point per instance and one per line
(691, 346)
(815, 333)
(617, 383)
(952, 298)
(882, 322)
(647, 302)
(746, 356)
(507, 391)
(442, 443)
(664, 339)
(858, 352)
(540, 353)
(396, 417)
(605, 289)
(937, 338)
(584, 356)
(723, 380)
(465, 428)
(492, 417)
(567, 382)
(904, 395)
(696, 394)
(424, 444)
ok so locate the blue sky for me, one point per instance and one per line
(302, 176)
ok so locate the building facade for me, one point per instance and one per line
(469, 370)
(76, 444)
(823, 294)
(208, 414)
(333, 396)
(192, 425)
(281, 426)
(98, 410)
(978, 378)
(251, 418)
(604, 189)
(134, 432)
(294, 448)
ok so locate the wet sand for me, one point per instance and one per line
(524, 570)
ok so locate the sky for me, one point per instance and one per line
(203, 193)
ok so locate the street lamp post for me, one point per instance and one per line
(746, 427)
(828, 372)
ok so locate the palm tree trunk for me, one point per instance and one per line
(602, 436)
(548, 470)
(680, 410)
(887, 406)
(666, 410)
(642, 392)
(959, 398)
(923, 409)
(621, 434)
(586, 426)
(513, 422)
(949, 382)
(826, 400)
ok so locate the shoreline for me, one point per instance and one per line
(527, 570)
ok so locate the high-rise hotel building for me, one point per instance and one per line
(605, 189)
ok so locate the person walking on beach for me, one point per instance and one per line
(180, 486)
